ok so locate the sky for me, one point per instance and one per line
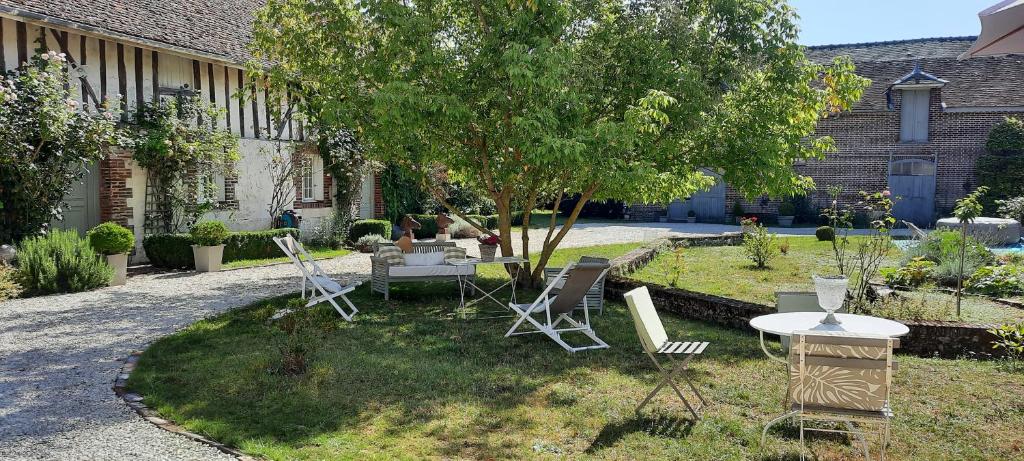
(828, 22)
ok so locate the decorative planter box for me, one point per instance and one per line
(208, 259)
(119, 263)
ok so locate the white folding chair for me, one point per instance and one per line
(579, 277)
(321, 288)
(655, 342)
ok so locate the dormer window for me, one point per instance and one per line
(914, 116)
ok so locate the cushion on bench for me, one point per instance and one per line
(435, 258)
(430, 271)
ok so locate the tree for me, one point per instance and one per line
(967, 210)
(538, 100)
(46, 145)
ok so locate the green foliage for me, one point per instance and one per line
(492, 222)
(46, 144)
(1012, 208)
(1004, 176)
(369, 226)
(330, 231)
(60, 262)
(428, 226)
(997, 281)
(9, 287)
(825, 233)
(737, 209)
(943, 248)
(787, 209)
(171, 251)
(344, 158)
(1007, 137)
(253, 244)
(209, 233)
(524, 101)
(111, 238)
(401, 193)
(761, 246)
(181, 156)
(461, 229)
(969, 208)
(915, 273)
(366, 242)
(1010, 338)
(536, 217)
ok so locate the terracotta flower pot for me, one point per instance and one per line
(208, 259)
(119, 263)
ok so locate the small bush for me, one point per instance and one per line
(428, 226)
(787, 209)
(209, 233)
(1012, 258)
(170, 251)
(364, 227)
(111, 238)
(760, 246)
(997, 281)
(253, 244)
(784, 247)
(1007, 137)
(366, 242)
(1010, 338)
(535, 217)
(916, 273)
(1012, 208)
(9, 287)
(943, 248)
(920, 307)
(330, 231)
(61, 262)
(825, 234)
(492, 222)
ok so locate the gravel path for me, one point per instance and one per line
(59, 355)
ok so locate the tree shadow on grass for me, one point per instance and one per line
(658, 425)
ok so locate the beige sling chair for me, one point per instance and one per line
(845, 378)
(655, 343)
(578, 278)
(321, 287)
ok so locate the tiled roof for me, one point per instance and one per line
(215, 27)
(975, 82)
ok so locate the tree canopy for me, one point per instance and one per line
(529, 101)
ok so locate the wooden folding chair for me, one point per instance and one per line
(321, 287)
(655, 343)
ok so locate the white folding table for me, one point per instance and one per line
(465, 282)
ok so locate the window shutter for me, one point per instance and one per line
(318, 177)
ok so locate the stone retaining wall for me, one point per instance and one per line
(926, 338)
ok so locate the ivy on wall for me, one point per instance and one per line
(1002, 169)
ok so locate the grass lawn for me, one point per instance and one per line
(317, 253)
(726, 271)
(406, 380)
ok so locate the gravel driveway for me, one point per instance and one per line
(59, 355)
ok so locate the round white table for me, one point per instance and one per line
(784, 324)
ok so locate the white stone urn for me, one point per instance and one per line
(831, 291)
(118, 262)
(208, 258)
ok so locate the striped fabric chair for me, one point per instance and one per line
(845, 378)
(595, 296)
(655, 343)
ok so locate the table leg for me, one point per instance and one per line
(783, 417)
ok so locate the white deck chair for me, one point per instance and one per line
(915, 231)
(579, 277)
(321, 288)
(655, 342)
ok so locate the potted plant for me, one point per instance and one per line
(488, 246)
(831, 291)
(115, 241)
(691, 216)
(208, 245)
(786, 212)
(737, 211)
(748, 223)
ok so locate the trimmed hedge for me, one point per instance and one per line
(111, 238)
(174, 251)
(428, 226)
(825, 234)
(535, 217)
(492, 222)
(365, 227)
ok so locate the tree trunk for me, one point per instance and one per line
(549, 246)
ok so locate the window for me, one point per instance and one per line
(913, 168)
(914, 116)
(312, 178)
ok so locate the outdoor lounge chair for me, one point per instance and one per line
(574, 281)
(321, 287)
(595, 296)
(915, 231)
(655, 342)
(845, 378)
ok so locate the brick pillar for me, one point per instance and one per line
(378, 198)
(114, 190)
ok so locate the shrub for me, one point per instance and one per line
(170, 251)
(760, 246)
(943, 248)
(428, 226)
(787, 209)
(209, 233)
(1012, 258)
(366, 242)
(1004, 176)
(997, 280)
(479, 219)
(737, 209)
(825, 234)
(461, 229)
(1012, 208)
(364, 227)
(1007, 137)
(1010, 338)
(111, 238)
(914, 274)
(61, 262)
(330, 231)
(492, 222)
(254, 244)
(9, 287)
(535, 217)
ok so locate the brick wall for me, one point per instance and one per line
(114, 189)
(378, 198)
